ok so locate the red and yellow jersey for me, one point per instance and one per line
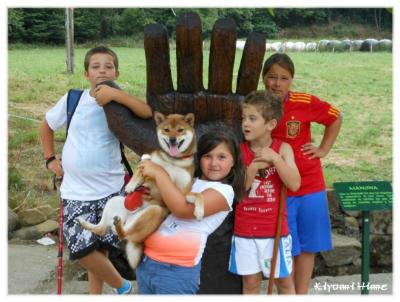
(300, 110)
(256, 215)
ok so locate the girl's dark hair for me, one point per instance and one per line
(100, 49)
(282, 59)
(211, 139)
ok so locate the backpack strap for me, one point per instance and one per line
(125, 161)
(74, 95)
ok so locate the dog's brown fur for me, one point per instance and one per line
(175, 132)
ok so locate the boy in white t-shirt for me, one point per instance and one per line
(91, 166)
(173, 253)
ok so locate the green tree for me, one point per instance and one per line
(264, 22)
(44, 25)
(16, 30)
(133, 20)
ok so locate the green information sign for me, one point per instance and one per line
(364, 195)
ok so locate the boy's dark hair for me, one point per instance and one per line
(266, 102)
(211, 139)
(100, 49)
(282, 59)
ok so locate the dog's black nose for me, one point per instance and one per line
(172, 140)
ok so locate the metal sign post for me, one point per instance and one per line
(365, 196)
(365, 256)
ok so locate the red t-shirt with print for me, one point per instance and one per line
(294, 128)
(256, 215)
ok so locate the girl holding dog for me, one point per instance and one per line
(173, 253)
(308, 213)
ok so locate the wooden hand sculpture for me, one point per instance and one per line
(217, 103)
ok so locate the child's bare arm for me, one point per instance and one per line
(104, 94)
(329, 138)
(251, 172)
(287, 169)
(47, 139)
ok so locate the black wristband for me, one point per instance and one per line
(49, 160)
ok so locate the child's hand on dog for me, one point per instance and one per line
(151, 169)
(104, 94)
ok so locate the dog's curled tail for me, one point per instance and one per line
(133, 253)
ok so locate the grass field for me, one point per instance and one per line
(360, 84)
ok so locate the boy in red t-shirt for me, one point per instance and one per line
(308, 212)
(269, 163)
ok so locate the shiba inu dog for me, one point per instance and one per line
(176, 136)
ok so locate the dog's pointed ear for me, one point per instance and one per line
(189, 118)
(158, 117)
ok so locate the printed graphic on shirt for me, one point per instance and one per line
(292, 129)
(262, 187)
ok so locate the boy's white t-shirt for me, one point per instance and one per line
(182, 241)
(91, 156)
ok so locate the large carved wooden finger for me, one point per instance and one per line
(159, 79)
(251, 63)
(189, 55)
(222, 56)
(136, 133)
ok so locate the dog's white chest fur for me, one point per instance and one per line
(177, 169)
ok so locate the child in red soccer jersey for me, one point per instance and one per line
(269, 163)
(308, 213)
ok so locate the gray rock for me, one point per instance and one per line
(47, 227)
(36, 215)
(346, 250)
(30, 217)
(47, 210)
(13, 221)
(336, 213)
(381, 250)
(352, 227)
(28, 233)
(381, 222)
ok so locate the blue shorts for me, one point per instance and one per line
(309, 223)
(155, 277)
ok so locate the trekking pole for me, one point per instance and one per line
(60, 250)
(277, 240)
(60, 242)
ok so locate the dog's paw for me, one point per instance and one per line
(79, 221)
(116, 220)
(130, 187)
(198, 212)
(191, 198)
